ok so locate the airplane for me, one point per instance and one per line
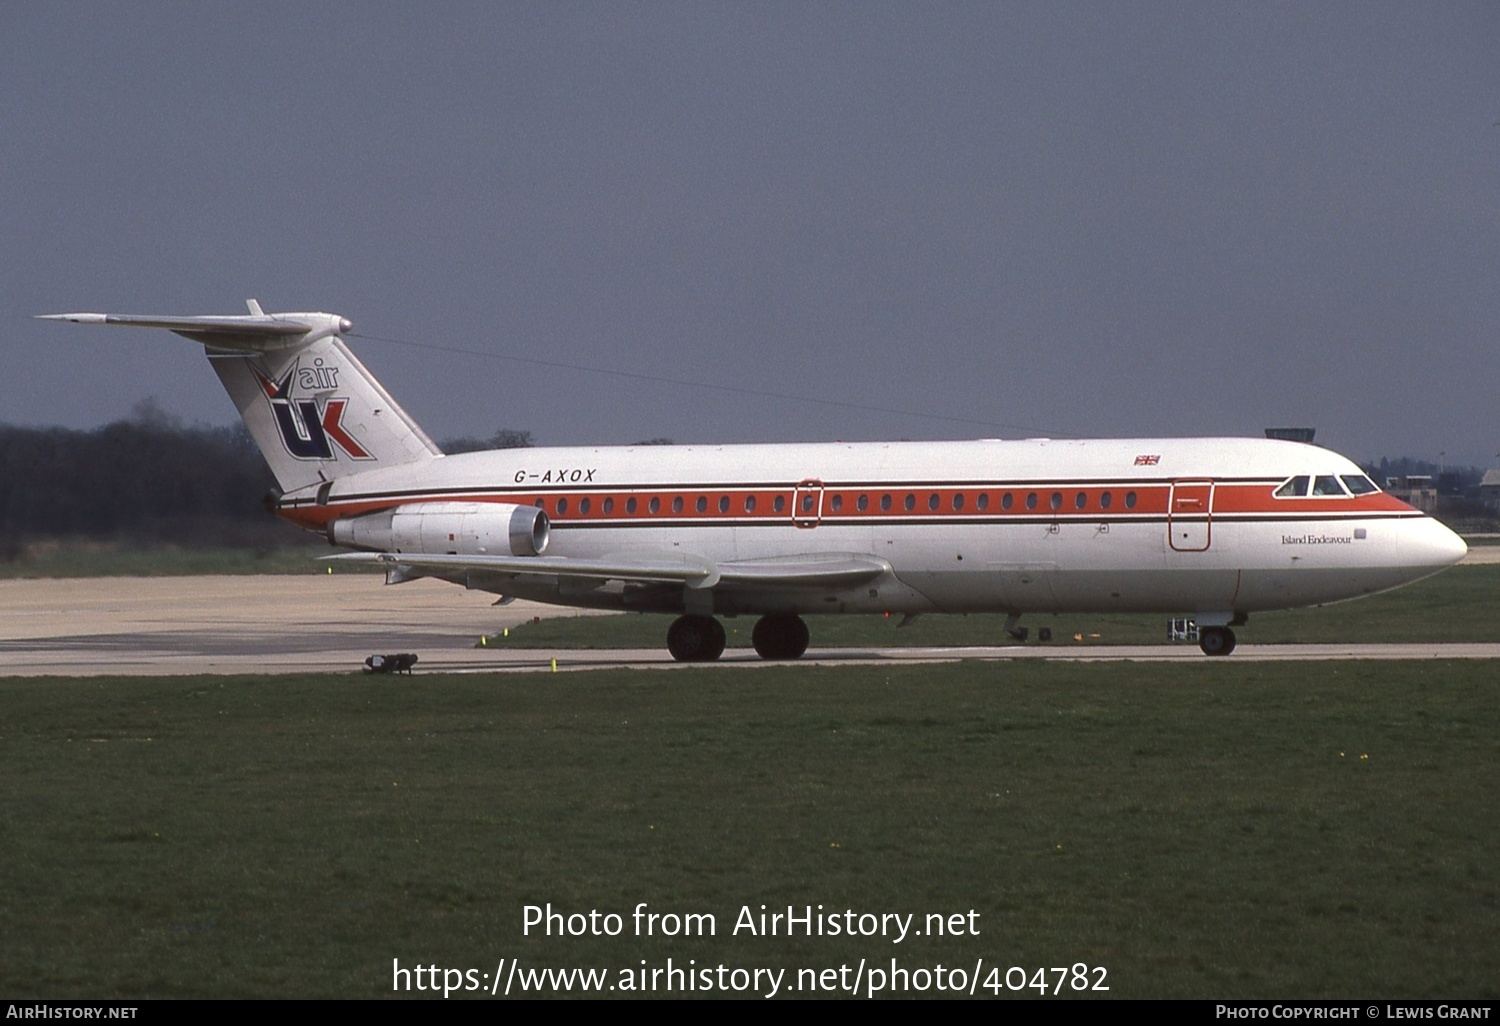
(1212, 528)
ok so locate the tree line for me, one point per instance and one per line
(150, 479)
(135, 480)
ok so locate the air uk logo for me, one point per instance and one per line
(311, 427)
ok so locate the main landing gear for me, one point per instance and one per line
(700, 639)
(1216, 641)
(780, 637)
(695, 639)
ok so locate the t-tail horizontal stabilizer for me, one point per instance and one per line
(315, 411)
(257, 332)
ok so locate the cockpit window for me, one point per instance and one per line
(1328, 485)
(1294, 488)
(1358, 484)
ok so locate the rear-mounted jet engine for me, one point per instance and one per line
(459, 528)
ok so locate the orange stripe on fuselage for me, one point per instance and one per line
(842, 504)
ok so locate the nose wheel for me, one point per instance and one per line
(780, 637)
(1216, 641)
(695, 639)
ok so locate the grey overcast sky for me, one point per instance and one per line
(1047, 218)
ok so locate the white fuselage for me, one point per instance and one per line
(1169, 525)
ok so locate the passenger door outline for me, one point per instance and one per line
(807, 503)
(1190, 515)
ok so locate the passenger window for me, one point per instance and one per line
(1358, 484)
(655, 505)
(1056, 500)
(677, 504)
(1031, 500)
(630, 504)
(609, 505)
(837, 503)
(749, 504)
(723, 504)
(584, 505)
(983, 502)
(1327, 484)
(779, 503)
(807, 502)
(1007, 501)
(702, 504)
(958, 500)
(1130, 500)
(1105, 500)
(932, 501)
(1294, 488)
(862, 503)
(562, 506)
(1080, 500)
(910, 502)
(885, 502)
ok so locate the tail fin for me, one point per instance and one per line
(312, 407)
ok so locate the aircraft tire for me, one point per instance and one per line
(780, 636)
(1216, 641)
(695, 639)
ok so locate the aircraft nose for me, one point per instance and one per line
(1436, 546)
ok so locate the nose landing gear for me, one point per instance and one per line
(1216, 641)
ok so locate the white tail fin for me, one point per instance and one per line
(312, 407)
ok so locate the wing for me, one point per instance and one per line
(822, 569)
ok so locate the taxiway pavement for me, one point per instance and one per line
(162, 626)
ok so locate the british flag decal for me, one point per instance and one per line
(1147, 461)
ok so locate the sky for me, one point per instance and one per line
(775, 221)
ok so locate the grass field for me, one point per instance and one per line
(1460, 604)
(1212, 830)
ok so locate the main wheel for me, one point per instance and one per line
(780, 636)
(1216, 641)
(695, 639)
